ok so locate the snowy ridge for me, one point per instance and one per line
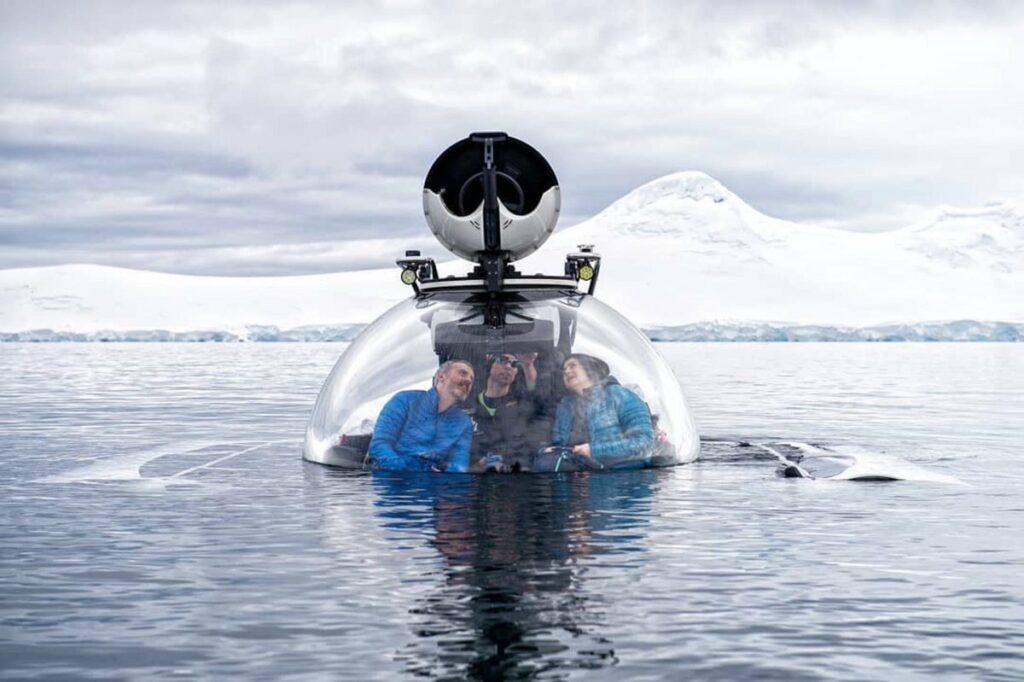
(680, 252)
(255, 333)
(958, 331)
(683, 249)
(991, 237)
(96, 299)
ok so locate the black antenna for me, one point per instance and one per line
(492, 258)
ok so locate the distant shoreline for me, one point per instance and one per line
(957, 331)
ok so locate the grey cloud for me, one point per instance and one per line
(112, 159)
(229, 138)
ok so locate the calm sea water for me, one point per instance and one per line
(158, 522)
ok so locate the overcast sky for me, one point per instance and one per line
(276, 137)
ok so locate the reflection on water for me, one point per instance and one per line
(155, 526)
(508, 595)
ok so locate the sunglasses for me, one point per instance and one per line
(511, 362)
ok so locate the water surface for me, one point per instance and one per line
(158, 522)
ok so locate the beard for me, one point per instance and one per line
(460, 391)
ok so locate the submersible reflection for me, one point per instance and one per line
(511, 598)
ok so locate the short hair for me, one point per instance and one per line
(447, 365)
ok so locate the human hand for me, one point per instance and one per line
(527, 360)
(582, 450)
(432, 461)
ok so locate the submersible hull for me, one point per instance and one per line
(492, 199)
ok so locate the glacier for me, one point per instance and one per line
(251, 333)
(955, 331)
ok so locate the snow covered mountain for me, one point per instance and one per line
(681, 252)
(94, 298)
(684, 248)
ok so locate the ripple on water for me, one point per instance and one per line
(158, 521)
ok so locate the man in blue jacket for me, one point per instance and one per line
(426, 430)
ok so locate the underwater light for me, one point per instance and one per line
(408, 276)
(586, 272)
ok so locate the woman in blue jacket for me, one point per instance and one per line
(603, 422)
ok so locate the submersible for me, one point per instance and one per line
(492, 200)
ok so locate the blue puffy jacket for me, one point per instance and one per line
(618, 425)
(410, 435)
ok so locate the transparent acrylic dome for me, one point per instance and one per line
(403, 348)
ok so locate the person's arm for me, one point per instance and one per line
(563, 424)
(383, 446)
(636, 434)
(458, 462)
(528, 362)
